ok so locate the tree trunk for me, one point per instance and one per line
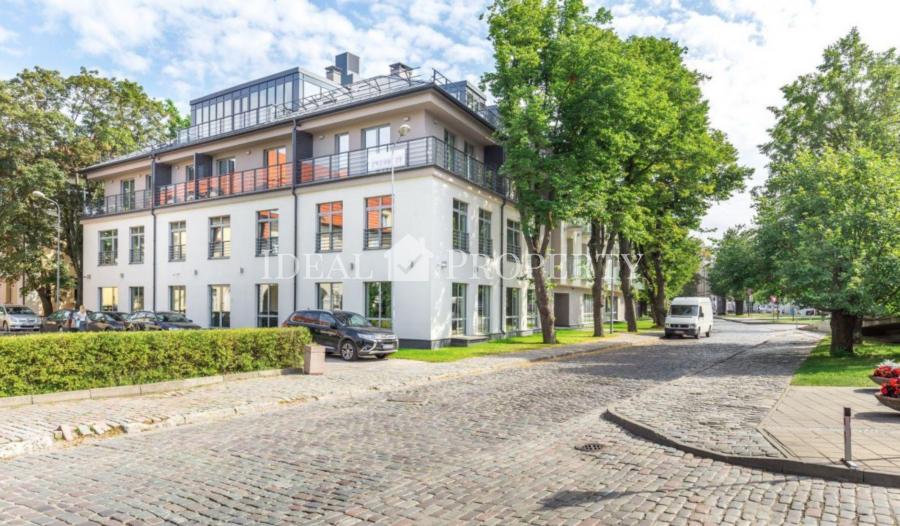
(625, 282)
(656, 287)
(44, 293)
(738, 307)
(537, 247)
(857, 331)
(843, 326)
(598, 245)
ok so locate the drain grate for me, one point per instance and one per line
(590, 447)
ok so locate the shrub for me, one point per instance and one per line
(63, 362)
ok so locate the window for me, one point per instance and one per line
(219, 237)
(137, 298)
(329, 237)
(531, 319)
(329, 296)
(177, 240)
(512, 309)
(128, 201)
(189, 173)
(225, 166)
(460, 226)
(267, 305)
(277, 171)
(219, 306)
(484, 309)
(341, 158)
(485, 240)
(513, 241)
(587, 308)
(136, 248)
(379, 218)
(458, 308)
(109, 247)
(267, 232)
(377, 136)
(177, 298)
(378, 303)
(109, 299)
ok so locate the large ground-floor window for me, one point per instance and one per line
(267, 305)
(330, 296)
(177, 298)
(219, 306)
(137, 298)
(484, 309)
(513, 297)
(458, 308)
(587, 308)
(532, 313)
(109, 299)
(378, 303)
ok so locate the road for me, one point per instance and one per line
(498, 448)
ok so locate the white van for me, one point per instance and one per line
(689, 317)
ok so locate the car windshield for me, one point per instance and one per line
(171, 317)
(18, 309)
(352, 319)
(683, 310)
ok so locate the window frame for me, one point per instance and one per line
(384, 291)
(172, 297)
(460, 225)
(459, 311)
(108, 256)
(383, 234)
(219, 226)
(267, 244)
(267, 318)
(334, 290)
(335, 237)
(224, 319)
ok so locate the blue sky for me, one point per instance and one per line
(181, 49)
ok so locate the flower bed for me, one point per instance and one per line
(885, 371)
(890, 394)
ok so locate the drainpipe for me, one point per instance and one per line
(152, 191)
(294, 173)
(502, 258)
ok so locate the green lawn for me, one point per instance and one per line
(820, 368)
(515, 344)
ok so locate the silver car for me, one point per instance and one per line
(18, 318)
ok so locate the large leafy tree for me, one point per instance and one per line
(828, 213)
(51, 126)
(731, 273)
(538, 51)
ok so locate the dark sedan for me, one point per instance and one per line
(158, 321)
(59, 321)
(104, 321)
(347, 333)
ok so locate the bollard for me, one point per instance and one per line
(848, 453)
(314, 359)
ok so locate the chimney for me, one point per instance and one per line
(399, 69)
(333, 73)
(348, 63)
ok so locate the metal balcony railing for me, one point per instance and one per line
(329, 241)
(235, 183)
(485, 246)
(107, 257)
(219, 249)
(461, 241)
(136, 256)
(177, 252)
(267, 246)
(375, 238)
(118, 203)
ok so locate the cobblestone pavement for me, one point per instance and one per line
(497, 448)
(31, 428)
(721, 407)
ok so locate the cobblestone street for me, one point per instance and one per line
(495, 448)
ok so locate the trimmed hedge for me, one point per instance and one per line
(45, 363)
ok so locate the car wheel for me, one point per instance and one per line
(697, 335)
(348, 350)
(381, 356)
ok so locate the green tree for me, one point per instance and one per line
(731, 273)
(824, 215)
(51, 126)
(537, 50)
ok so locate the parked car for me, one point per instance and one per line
(346, 333)
(104, 321)
(689, 317)
(145, 320)
(59, 321)
(18, 318)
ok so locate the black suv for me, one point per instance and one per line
(347, 333)
(158, 321)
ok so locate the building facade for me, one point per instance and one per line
(294, 191)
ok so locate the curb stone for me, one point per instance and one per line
(48, 441)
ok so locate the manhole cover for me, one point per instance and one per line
(590, 447)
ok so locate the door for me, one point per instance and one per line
(275, 160)
(328, 334)
(341, 161)
(561, 309)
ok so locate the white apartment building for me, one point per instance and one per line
(379, 196)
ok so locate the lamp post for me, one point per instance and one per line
(39, 194)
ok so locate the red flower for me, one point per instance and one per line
(891, 388)
(884, 371)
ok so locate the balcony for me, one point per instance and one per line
(107, 257)
(330, 241)
(461, 241)
(118, 203)
(267, 246)
(404, 155)
(377, 238)
(220, 249)
(177, 252)
(235, 183)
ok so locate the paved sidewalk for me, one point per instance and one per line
(720, 407)
(32, 428)
(808, 424)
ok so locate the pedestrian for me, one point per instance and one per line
(81, 319)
